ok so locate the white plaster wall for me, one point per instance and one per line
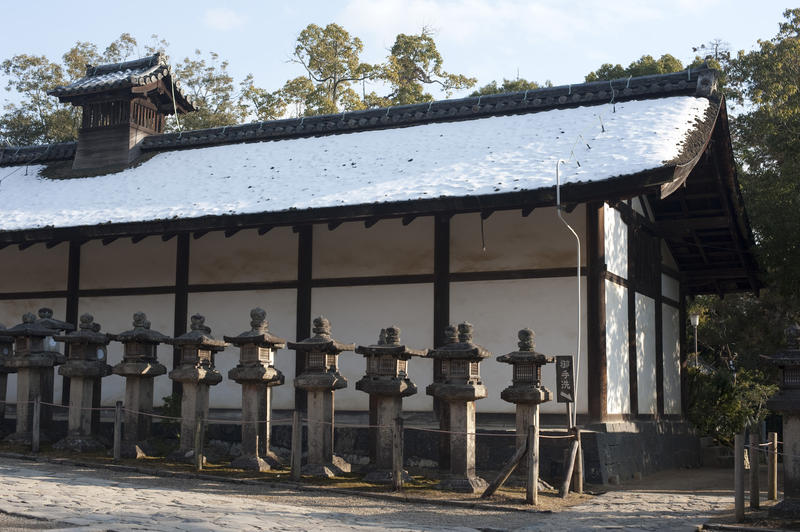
(357, 315)
(33, 269)
(228, 314)
(646, 354)
(499, 309)
(386, 248)
(11, 312)
(636, 205)
(617, 369)
(616, 242)
(670, 287)
(514, 242)
(243, 257)
(150, 262)
(115, 315)
(666, 256)
(670, 319)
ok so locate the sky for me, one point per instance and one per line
(556, 40)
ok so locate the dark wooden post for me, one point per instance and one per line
(181, 300)
(305, 250)
(596, 311)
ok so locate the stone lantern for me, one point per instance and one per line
(257, 374)
(387, 383)
(196, 373)
(86, 363)
(787, 402)
(526, 390)
(460, 387)
(139, 366)
(6, 350)
(319, 379)
(35, 356)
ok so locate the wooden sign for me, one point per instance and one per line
(565, 391)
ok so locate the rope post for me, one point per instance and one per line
(397, 455)
(772, 467)
(532, 490)
(738, 476)
(754, 469)
(117, 430)
(198, 443)
(297, 445)
(37, 422)
(577, 475)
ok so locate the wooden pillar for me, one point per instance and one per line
(441, 319)
(73, 290)
(682, 335)
(305, 249)
(181, 300)
(596, 311)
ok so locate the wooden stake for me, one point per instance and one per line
(738, 476)
(118, 430)
(397, 455)
(506, 471)
(571, 459)
(577, 478)
(772, 467)
(532, 491)
(754, 468)
(297, 445)
(36, 429)
(198, 443)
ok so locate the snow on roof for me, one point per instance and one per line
(473, 157)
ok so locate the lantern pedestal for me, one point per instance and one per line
(256, 373)
(460, 386)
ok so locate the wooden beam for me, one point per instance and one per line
(571, 207)
(25, 245)
(52, 243)
(633, 368)
(168, 236)
(333, 225)
(527, 211)
(71, 315)
(305, 250)
(264, 229)
(485, 214)
(230, 232)
(181, 316)
(409, 218)
(596, 312)
(372, 221)
(107, 241)
(138, 238)
(684, 227)
(199, 234)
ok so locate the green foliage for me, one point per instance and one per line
(508, 85)
(767, 142)
(171, 408)
(413, 62)
(722, 403)
(643, 66)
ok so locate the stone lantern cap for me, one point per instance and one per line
(141, 332)
(321, 341)
(321, 351)
(787, 400)
(526, 353)
(459, 345)
(88, 333)
(199, 336)
(87, 350)
(460, 359)
(46, 320)
(32, 350)
(258, 334)
(256, 352)
(389, 344)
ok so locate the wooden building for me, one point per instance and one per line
(419, 215)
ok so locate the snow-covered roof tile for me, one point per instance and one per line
(482, 156)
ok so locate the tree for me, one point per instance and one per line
(414, 62)
(643, 66)
(767, 142)
(508, 85)
(331, 59)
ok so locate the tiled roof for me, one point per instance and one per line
(63, 151)
(699, 82)
(121, 75)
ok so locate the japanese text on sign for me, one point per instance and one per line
(565, 392)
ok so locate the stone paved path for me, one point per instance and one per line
(97, 499)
